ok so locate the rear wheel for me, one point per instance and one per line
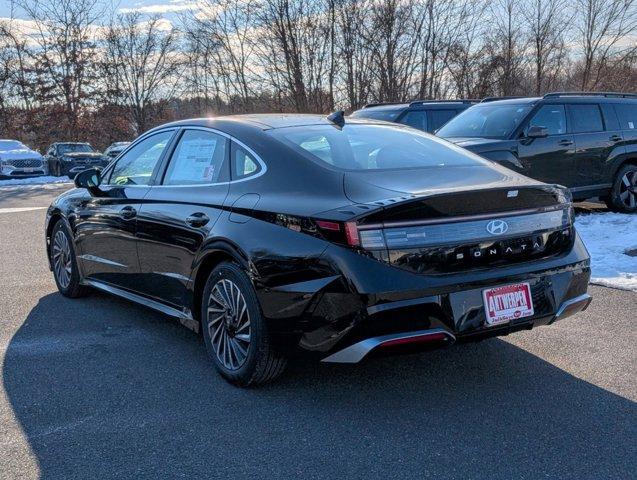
(234, 329)
(623, 196)
(64, 262)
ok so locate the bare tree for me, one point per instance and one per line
(143, 57)
(606, 33)
(66, 49)
(546, 22)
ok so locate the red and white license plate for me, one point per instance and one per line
(510, 302)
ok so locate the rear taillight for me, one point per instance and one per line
(341, 232)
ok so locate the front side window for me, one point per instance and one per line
(197, 160)
(416, 119)
(372, 147)
(551, 117)
(137, 165)
(243, 162)
(486, 121)
(586, 118)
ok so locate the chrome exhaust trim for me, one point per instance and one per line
(356, 352)
(573, 306)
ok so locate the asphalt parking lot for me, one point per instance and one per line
(101, 388)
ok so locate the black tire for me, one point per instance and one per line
(261, 362)
(70, 287)
(622, 197)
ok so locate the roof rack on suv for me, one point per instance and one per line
(590, 94)
(419, 102)
(493, 99)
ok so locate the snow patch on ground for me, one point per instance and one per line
(34, 180)
(608, 236)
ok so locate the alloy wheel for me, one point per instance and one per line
(628, 189)
(62, 259)
(229, 324)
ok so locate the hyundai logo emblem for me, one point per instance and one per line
(497, 227)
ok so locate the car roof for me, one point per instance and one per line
(263, 121)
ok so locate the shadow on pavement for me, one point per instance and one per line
(103, 388)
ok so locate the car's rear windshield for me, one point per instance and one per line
(372, 147)
(486, 121)
(6, 145)
(380, 114)
(75, 147)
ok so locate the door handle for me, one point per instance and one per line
(127, 212)
(198, 219)
(615, 138)
(565, 142)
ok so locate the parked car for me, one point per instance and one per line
(70, 158)
(17, 160)
(426, 115)
(114, 149)
(273, 233)
(585, 141)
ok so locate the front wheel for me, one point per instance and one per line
(234, 329)
(623, 196)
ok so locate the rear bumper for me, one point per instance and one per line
(439, 337)
(370, 303)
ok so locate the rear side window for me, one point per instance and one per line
(627, 114)
(243, 163)
(586, 118)
(197, 160)
(437, 118)
(416, 119)
(552, 117)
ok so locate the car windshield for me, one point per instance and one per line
(6, 145)
(486, 121)
(372, 147)
(75, 147)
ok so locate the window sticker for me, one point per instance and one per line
(195, 160)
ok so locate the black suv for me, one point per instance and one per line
(70, 158)
(585, 141)
(426, 115)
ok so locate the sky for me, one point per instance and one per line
(166, 8)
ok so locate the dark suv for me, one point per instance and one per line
(426, 115)
(585, 141)
(70, 158)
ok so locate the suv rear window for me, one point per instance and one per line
(586, 118)
(416, 119)
(440, 117)
(627, 114)
(386, 115)
(372, 147)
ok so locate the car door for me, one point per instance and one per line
(549, 159)
(106, 223)
(593, 143)
(180, 213)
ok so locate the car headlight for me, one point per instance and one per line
(66, 159)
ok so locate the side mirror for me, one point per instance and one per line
(537, 132)
(89, 179)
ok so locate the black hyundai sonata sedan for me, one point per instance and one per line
(274, 234)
